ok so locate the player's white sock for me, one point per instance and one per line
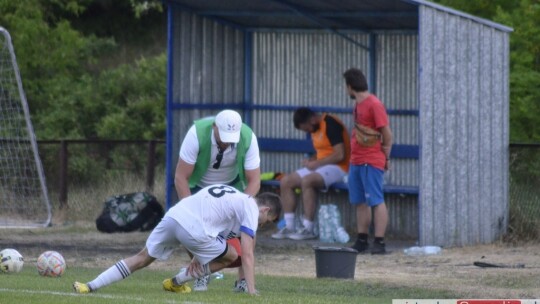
(289, 220)
(115, 273)
(307, 224)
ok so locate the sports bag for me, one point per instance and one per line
(129, 212)
(366, 136)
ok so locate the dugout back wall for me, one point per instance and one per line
(449, 106)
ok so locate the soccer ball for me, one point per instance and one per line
(51, 264)
(11, 261)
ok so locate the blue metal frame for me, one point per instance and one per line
(248, 64)
(372, 53)
(249, 107)
(306, 146)
(169, 186)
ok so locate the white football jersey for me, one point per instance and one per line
(217, 210)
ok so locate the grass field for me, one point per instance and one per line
(145, 287)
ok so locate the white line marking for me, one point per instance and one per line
(58, 293)
(94, 295)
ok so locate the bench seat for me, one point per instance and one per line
(341, 186)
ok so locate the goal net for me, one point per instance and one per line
(23, 192)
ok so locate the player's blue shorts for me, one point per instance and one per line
(365, 185)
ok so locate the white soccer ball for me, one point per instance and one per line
(51, 264)
(11, 261)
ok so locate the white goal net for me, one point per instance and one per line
(23, 192)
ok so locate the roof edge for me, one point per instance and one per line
(462, 14)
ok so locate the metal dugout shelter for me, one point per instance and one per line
(442, 74)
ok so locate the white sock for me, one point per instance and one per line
(307, 224)
(183, 276)
(115, 273)
(289, 220)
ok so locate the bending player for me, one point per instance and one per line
(201, 223)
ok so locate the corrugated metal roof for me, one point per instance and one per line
(364, 15)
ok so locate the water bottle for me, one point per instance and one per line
(335, 216)
(425, 250)
(432, 249)
(325, 229)
(218, 275)
(341, 235)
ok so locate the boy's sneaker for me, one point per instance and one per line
(201, 284)
(81, 287)
(284, 233)
(360, 246)
(378, 248)
(303, 234)
(169, 286)
(240, 286)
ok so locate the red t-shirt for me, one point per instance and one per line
(372, 113)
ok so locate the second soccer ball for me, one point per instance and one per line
(51, 264)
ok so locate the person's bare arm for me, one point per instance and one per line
(386, 145)
(253, 178)
(248, 261)
(181, 177)
(337, 155)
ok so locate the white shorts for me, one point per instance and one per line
(330, 174)
(168, 234)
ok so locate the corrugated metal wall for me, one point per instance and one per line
(454, 72)
(464, 101)
(397, 83)
(295, 69)
(299, 69)
(306, 69)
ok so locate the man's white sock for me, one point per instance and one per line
(115, 273)
(307, 224)
(289, 221)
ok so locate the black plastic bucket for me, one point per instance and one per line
(335, 262)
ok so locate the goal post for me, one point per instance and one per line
(23, 192)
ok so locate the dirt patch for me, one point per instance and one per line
(452, 269)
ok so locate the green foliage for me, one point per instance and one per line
(525, 69)
(136, 100)
(67, 98)
(142, 7)
(51, 57)
(481, 8)
(72, 88)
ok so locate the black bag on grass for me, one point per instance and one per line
(130, 212)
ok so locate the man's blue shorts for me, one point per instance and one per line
(365, 185)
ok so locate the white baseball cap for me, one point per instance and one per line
(229, 124)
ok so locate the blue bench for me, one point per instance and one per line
(305, 146)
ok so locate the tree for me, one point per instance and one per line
(73, 87)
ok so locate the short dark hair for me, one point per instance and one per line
(356, 79)
(301, 116)
(272, 200)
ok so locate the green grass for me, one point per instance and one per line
(145, 287)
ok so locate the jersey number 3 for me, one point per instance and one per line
(219, 191)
